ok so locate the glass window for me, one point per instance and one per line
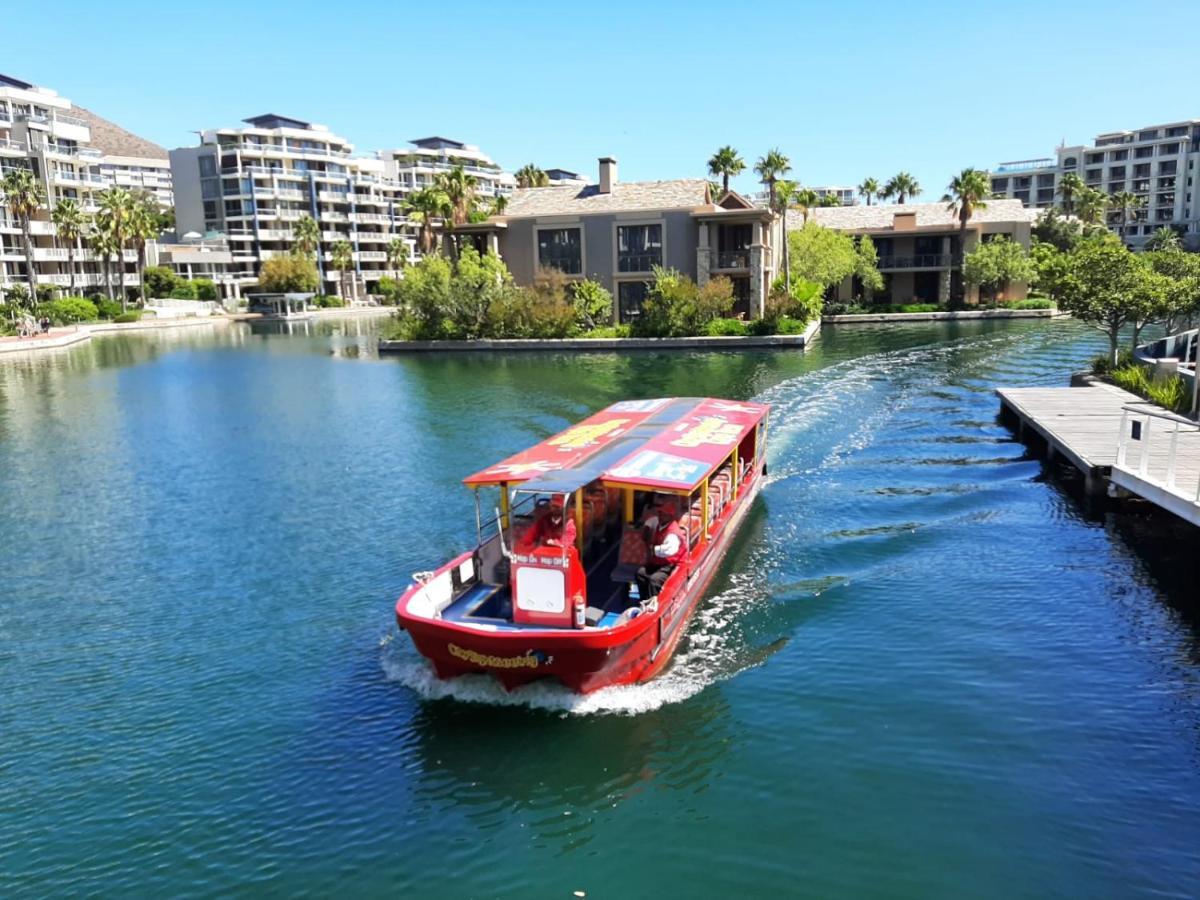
(630, 297)
(639, 247)
(208, 167)
(562, 249)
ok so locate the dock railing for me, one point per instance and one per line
(1143, 418)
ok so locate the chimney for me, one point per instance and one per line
(608, 174)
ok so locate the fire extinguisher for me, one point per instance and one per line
(580, 612)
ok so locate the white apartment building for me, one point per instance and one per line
(76, 154)
(417, 166)
(847, 196)
(1159, 163)
(252, 184)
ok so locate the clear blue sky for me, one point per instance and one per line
(846, 89)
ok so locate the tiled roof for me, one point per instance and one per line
(114, 140)
(929, 215)
(626, 196)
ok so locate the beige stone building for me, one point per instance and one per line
(920, 246)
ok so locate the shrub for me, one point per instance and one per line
(287, 274)
(205, 289)
(1031, 303)
(387, 288)
(160, 281)
(1102, 364)
(609, 331)
(1169, 392)
(107, 309)
(541, 312)
(677, 307)
(69, 310)
(183, 290)
(787, 325)
(916, 308)
(725, 328)
(17, 296)
(132, 316)
(327, 301)
(593, 303)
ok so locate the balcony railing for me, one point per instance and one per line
(733, 259)
(919, 261)
(638, 262)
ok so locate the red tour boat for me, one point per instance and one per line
(650, 488)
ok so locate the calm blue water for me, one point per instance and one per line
(926, 669)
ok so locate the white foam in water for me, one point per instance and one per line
(708, 654)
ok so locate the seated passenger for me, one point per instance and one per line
(552, 529)
(668, 550)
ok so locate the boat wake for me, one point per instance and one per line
(711, 651)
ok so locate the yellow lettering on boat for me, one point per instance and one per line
(582, 435)
(527, 661)
(709, 430)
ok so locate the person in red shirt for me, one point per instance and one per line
(668, 549)
(551, 529)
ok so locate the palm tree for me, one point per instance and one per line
(115, 205)
(769, 169)
(459, 188)
(70, 223)
(869, 188)
(499, 205)
(806, 201)
(530, 176)
(144, 219)
(1070, 186)
(23, 194)
(397, 254)
(786, 193)
(901, 186)
(1124, 201)
(726, 162)
(967, 192)
(830, 200)
(424, 206)
(103, 246)
(306, 235)
(1092, 204)
(343, 260)
(1164, 239)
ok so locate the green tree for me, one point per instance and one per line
(289, 273)
(70, 224)
(902, 186)
(822, 255)
(428, 206)
(1070, 186)
(967, 192)
(1091, 205)
(677, 307)
(160, 281)
(1126, 202)
(116, 209)
(769, 169)
(1058, 230)
(397, 254)
(1104, 285)
(869, 189)
(726, 163)
(103, 245)
(342, 254)
(1182, 271)
(805, 200)
(459, 188)
(499, 205)
(143, 228)
(530, 176)
(1164, 239)
(993, 264)
(306, 236)
(24, 194)
(829, 200)
(866, 266)
(593, 304)
(786, 194)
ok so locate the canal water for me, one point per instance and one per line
(928, 668)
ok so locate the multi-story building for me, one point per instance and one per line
(77, 155)
(418, 166)
(1159, 163)
(618, 232)
(920, 246)
(252, 184)
(565, 176)
(846, 196)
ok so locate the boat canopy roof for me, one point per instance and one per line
(670, 444)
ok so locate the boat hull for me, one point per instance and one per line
(585, 659)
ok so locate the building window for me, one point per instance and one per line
(1167, 168)
(1143, 152)
(1070, 163)
(1093, 159)
(1117, 155)
(639, 247)
(208, 167)
(630, 297)
(562, 249)
(999, 185)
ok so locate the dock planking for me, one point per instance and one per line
(1083, 425)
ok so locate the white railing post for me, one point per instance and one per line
(1171, 458)
(1144, 461)
(1123, 437)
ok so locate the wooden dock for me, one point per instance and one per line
(1110, 434)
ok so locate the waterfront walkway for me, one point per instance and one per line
(1110, 433)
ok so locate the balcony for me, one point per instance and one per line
(919, 261)
(13, 146)
(1023, 165)
(733, 259)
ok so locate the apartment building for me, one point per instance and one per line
(921, 247)
(616, 233)
(418, 166)
(1159, 163)
(559, 177)
(76, 154)
(251, 184)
